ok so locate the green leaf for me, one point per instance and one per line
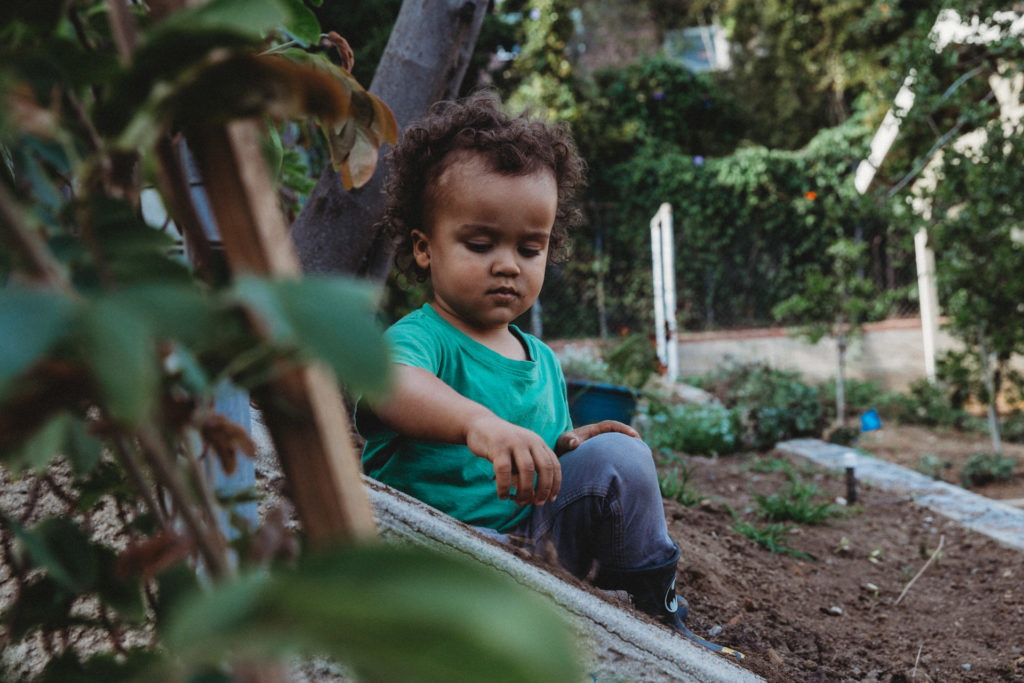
(106, 667)
(392, 613)
(253, 18)
(83, 449)
(39, 450)
(30, 322)
(170, 311)
(332, 318)
(124, 594)
(106, 479)
(118, 348)
(59, 546)
(302, 23)
(178, 586)
(44, 603)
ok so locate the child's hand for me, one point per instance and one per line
(573, 438)
(516, 453)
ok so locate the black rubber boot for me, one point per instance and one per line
(653, 590)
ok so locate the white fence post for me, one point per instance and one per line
(928, 293)
(663, 262)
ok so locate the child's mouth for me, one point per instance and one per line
(503, 294)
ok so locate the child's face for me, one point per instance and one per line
(487, 245)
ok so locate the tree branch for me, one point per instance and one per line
(27, 243)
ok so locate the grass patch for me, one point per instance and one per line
(772, 537)
(795, 502)
(772, 465)
(675, 485)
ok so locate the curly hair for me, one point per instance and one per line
(509, 145)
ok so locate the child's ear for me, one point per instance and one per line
(421, 249)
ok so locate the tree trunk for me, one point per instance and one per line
(987, 371)
(424, 62)
(841, 381)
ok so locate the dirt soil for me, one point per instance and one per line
(836, 617)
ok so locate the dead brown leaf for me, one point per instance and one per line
(226, 438)
(152, 555)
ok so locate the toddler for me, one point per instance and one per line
(478, 423)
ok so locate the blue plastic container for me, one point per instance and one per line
(591, 402)
(870, 421)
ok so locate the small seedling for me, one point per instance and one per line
(675, 485)
(771, 537)
(925, 552)
(875, 556)
(843, 546)
(794, 502)
(872, 588)
(772, 465)
(931, 466)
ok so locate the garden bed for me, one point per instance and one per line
(834, 616)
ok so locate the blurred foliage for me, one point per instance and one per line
(773, 404)
(924, 403)
(709, 429)
(111, 347)
(985, 468)
(796, 501)
(804, 66)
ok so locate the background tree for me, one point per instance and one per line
(802, 66)
(428, 53)
(979, 244)
(970, 136)
(836, 303)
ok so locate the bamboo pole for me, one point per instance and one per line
(303, 408)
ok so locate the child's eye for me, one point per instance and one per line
(529, 251)
(478, 247)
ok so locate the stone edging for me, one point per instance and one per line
(984, 515)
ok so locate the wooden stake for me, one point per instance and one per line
(303, 409)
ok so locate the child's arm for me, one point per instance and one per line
(422, 406)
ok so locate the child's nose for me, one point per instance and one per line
(505, 262)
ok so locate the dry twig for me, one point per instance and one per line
(913, 674)
(921, 571)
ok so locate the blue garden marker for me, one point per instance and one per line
(870, 421)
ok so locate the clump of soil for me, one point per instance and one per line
(835, 617)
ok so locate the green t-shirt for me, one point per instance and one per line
(528, 393)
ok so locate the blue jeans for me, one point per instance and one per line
(608, 511)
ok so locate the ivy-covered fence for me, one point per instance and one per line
(748, 228)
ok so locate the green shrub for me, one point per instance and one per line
(795, 502)
(844, 435)
(984, 468)
(774, 404)
(1012, 428)
(931, 466)
(675, 485)
(924, 403)
(632, 361)
(709, 429)
(860, 396)
(960, 374)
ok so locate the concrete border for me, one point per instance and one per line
(615, 644)
(984, 515)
